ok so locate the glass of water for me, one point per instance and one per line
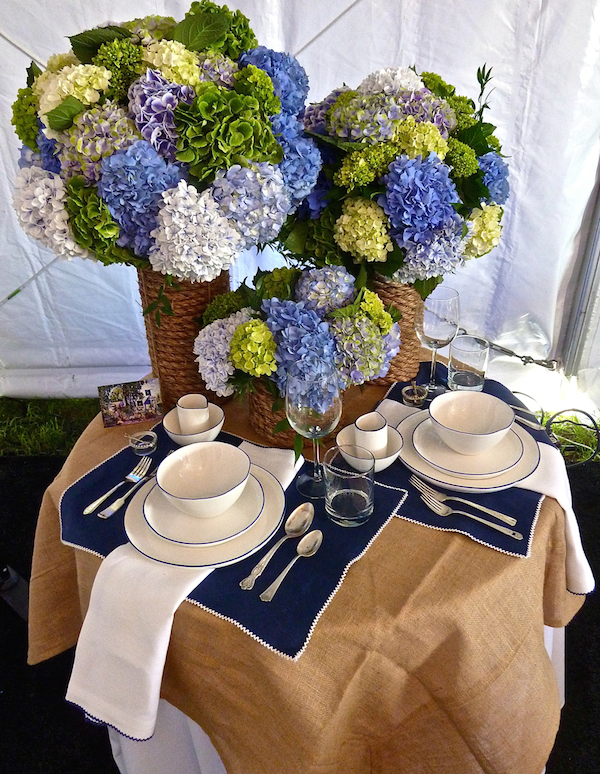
(467, 363)
(349, 490)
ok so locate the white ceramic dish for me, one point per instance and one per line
(150, 544)
(178, 527)
(525, 467)
(382, 460)
(216, 417)
(504, 456)
(471, 422)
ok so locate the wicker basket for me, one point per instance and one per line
(171, 345)
(263, 419)
(407, 300)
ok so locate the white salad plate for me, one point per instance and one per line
(415, 463)
(171, 523)
(500, 459)
(151, 544)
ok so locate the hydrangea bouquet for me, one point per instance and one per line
(412, 184)
(295, 316)
(160, 144)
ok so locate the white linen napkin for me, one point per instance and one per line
(550, 479)
(122, 646)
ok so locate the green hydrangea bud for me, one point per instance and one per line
(239, 36)
(461, 158)
(464, 109)
(254, 82)
(223, 306)
(252, 349)
(279, 283)
(124, 59)
(24, 117)
(362, 167)
(372, 306)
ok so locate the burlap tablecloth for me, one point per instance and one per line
(430, 658)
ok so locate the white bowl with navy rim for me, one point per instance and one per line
(216, 417)
(384, 458)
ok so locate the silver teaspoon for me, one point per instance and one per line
(308, 546)
(297, 523)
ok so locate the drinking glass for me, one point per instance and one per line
(313, 406)
(438, 326)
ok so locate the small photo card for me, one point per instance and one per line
(130, 402)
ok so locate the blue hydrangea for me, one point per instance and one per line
(254, 198)
(301, 337)
(495, 177)
(131, 183)
(325, 289)
(419, 200)
(290, 81)
(301, 161)
(48, 149)
(443, 254)
(29, 158)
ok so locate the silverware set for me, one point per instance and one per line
(435, 501)
(137, 476)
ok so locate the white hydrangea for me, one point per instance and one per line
(39, 200)
(391, 80)
(177, 63)
(84, 82)
(192, 240)
(212, 345)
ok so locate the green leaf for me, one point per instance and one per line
(425, 287)
(298, 446)
(198, 31)
(278, 404)
(296, 240)
(282, 426)
(85, 45)
(393, 262)
(32, 73)
(61, 118)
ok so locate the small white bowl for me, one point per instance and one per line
(383, 459)
(204, 479)
(470, 422)
(216, 417)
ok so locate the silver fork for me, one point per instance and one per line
(111, 509)
(444, 510)
(426, 489)
(136, 474)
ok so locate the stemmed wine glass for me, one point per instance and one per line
(313, 406)
(438, 326)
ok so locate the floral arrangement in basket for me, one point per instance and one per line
(412, 184)
(296, 316)
(160, 144)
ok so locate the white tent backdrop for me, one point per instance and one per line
(79, 324)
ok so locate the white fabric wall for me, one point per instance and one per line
(80, 325)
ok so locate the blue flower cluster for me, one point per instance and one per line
(131, 183)
(48, 149)
(301, 337)
(301, 162)
(495, 177)
(290, 81)
(419, 200)
(322, 290)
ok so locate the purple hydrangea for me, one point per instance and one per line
(301, 337)
(152, 101)
(313, 116)
(290, 81)
(301, 161)
(419, 200)
(495, 177)
(324, 289)
(29, 158)
(131, 183)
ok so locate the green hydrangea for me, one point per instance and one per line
(437, 85)
(254, 82)
(494, 143)
(93, 226)
(362, 167)
(124, 59)
(461, 158)
(149, 28)
(372, 306)
(253, 349)
(24, 117)
(484, 230)
(336, 115)
(361, 230)
(419, 138)
(221, 128)
(464, 109)
(223, 306)
(279, 283)
(238, 38)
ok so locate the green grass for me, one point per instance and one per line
(43, 427)
(577, 440)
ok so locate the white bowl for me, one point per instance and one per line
(216, 417)
(470, 422)
(204, 479)
(383, 459)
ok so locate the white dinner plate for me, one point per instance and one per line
(172, 524)
(156, 547)
(525, 467)
(430, 447)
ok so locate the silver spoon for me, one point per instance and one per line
(297, 523)
(308, 546)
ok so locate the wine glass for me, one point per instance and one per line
(313, 406)
(438, 326)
